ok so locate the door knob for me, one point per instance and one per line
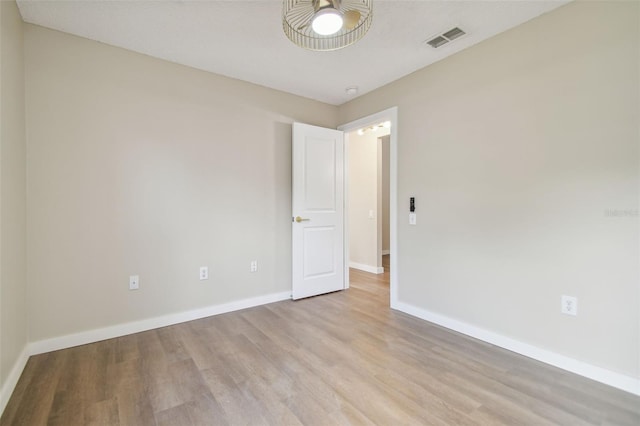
(299, 219)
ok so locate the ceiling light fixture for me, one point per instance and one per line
(375, 127)
(327, 21)
(326, 24)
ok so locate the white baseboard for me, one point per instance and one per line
(599, 374)
(386, 252)
(91, 336)
(367, 268)
(12, 380)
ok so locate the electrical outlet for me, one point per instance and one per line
(569, 305)
(204, 273)
(134, 282)
(254, 266)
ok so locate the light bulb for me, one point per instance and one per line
(360, 132)
(327, 21)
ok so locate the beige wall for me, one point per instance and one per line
(385, 158)
(13, 282)
(516, 149)
(140, 166)
(364, 195)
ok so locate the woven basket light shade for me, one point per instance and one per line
(298, 14)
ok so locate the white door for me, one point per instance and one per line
(318, 206)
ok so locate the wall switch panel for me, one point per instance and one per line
(412, 218)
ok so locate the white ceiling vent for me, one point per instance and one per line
(446, 37)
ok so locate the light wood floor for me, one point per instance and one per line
(342, 358)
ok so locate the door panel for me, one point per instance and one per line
(318, 203)
(319, 257)
(319, 175)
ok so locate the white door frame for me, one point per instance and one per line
(391, 115)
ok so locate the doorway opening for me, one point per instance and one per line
(364, 204)
(367, 194)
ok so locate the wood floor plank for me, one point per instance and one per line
(36, 396)
(134, 407)
(174, 416)
(344, 358)
(204, 410)
(102, 413)
(237, 402)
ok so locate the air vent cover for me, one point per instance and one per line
(437, 42)
(454, 33)
(446, 37)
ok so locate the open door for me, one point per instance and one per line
(318, 210)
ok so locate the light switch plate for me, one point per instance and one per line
(412, 218)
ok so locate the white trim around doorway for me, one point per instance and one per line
(390, 115)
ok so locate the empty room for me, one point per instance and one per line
(319, 212)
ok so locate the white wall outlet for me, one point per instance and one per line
(254, 266)
(412, 219)
(134, 282)
(204, 273)
(569, 305)
(371, 216)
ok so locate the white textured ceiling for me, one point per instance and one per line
(244, 39)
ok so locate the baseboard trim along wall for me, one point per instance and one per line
(96, 335)
(617, 380)
(367, 268)
(599, 374)
(12, 380)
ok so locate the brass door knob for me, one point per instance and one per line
(299, 219)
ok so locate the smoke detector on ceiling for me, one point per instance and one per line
(445, 37)
(352, 91)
